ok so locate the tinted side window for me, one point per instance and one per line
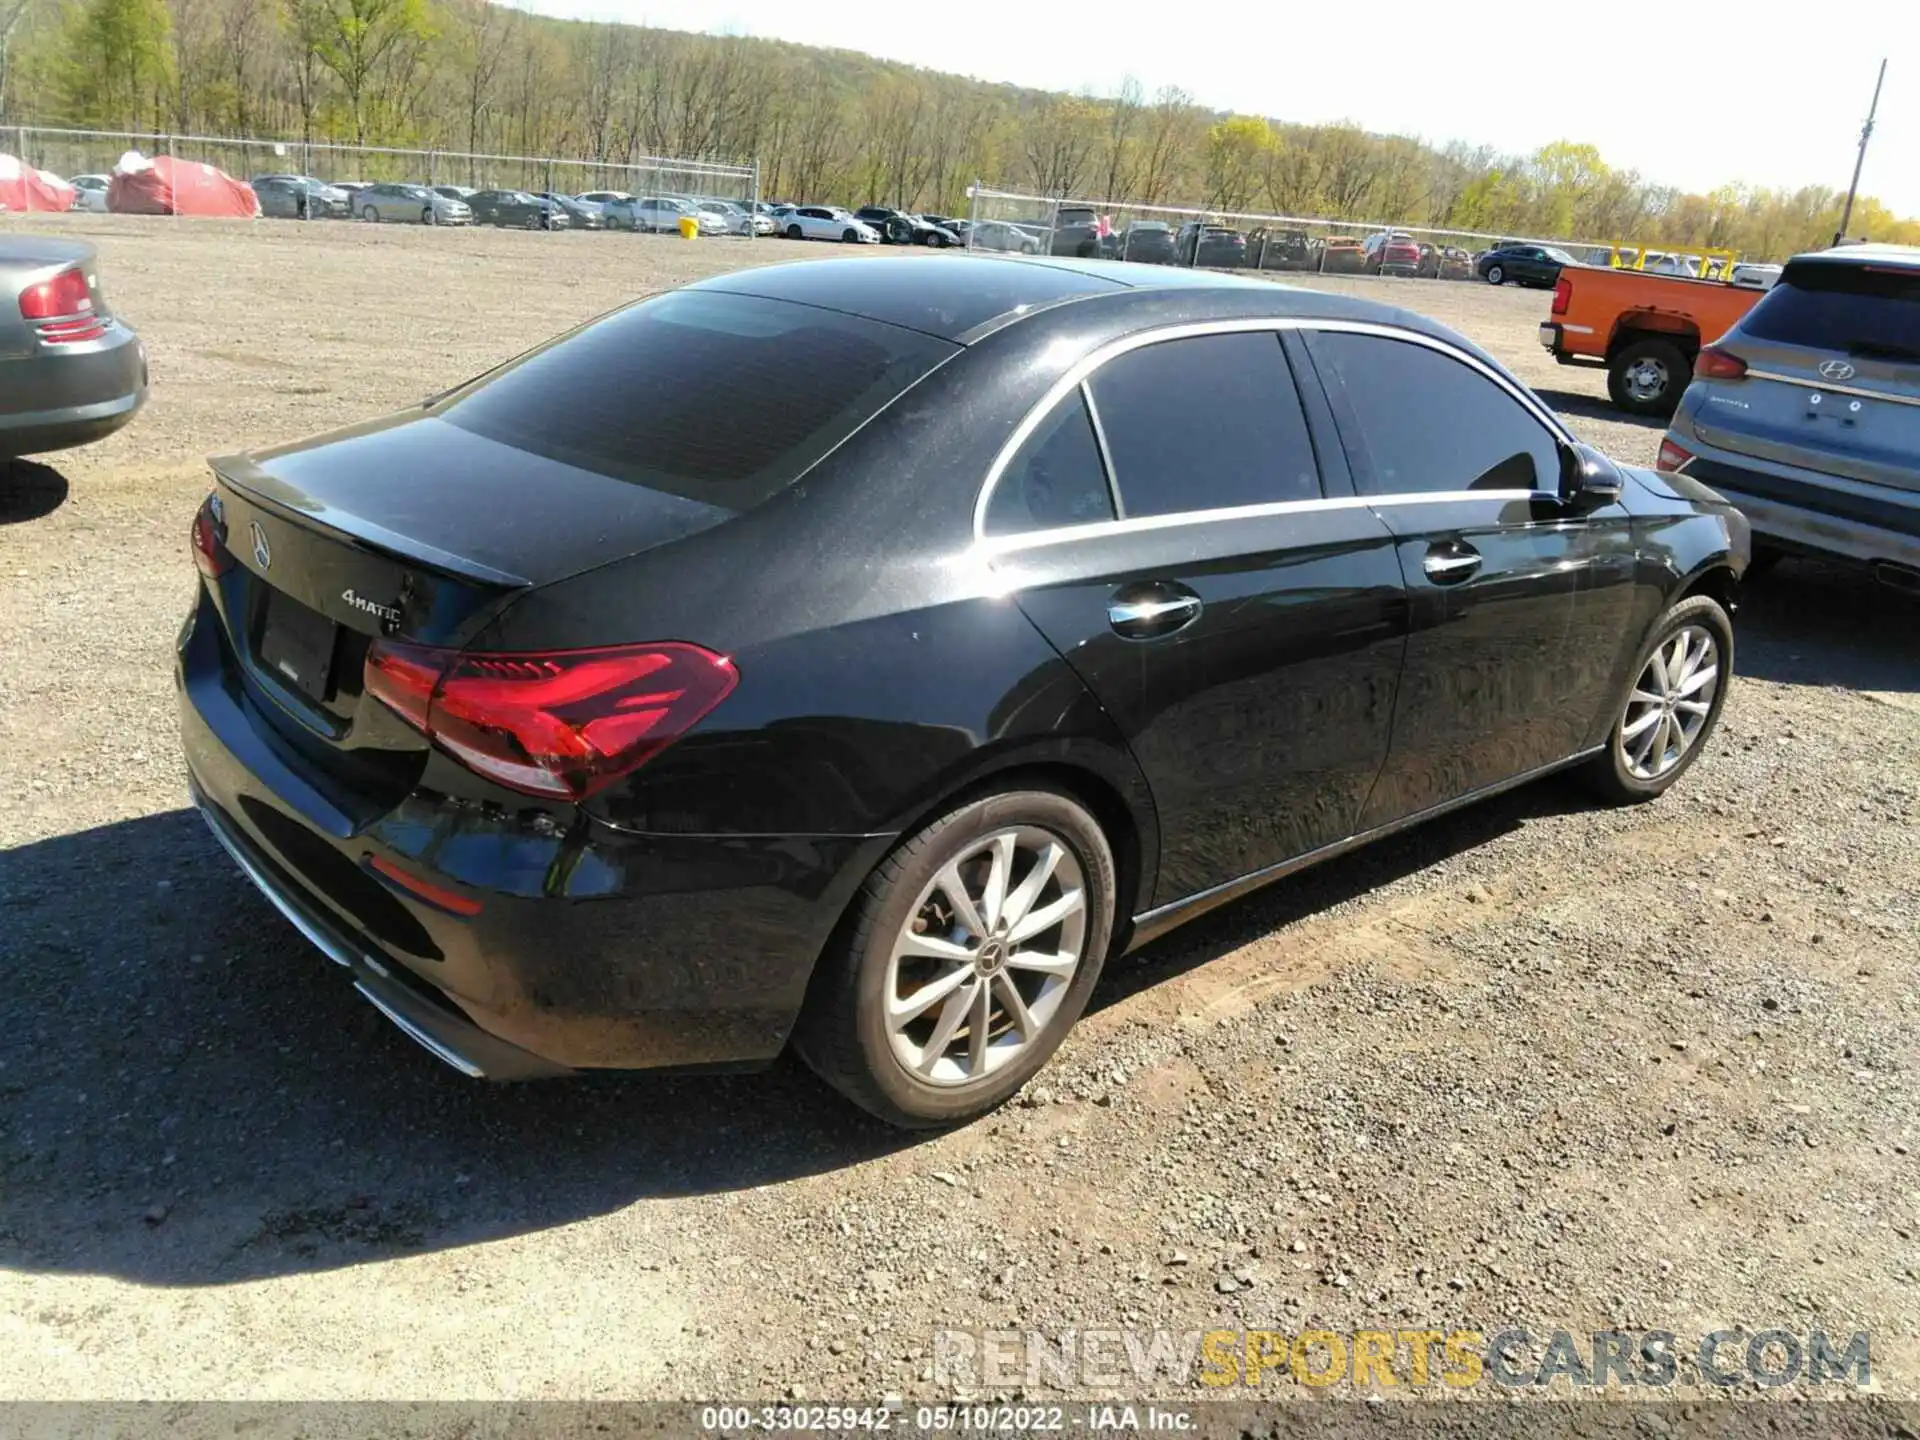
(1056, 479)
(1415, 420)
(1205, 423)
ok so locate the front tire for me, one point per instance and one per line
(370, 215)
(794, 232)
(1648, 377)
(965, 959)
(850, 237)
(1671, 706)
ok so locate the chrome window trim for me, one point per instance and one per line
(1836, 389)
(1106, 455)
(993, 545)
(1081, 372)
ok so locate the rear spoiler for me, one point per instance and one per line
(272, 493)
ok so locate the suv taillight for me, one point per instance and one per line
(210, 551)
(61, 309)
(559, 723)
(1672, 456)
(1713, 363)
(1562, 294)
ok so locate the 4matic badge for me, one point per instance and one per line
(388, 613)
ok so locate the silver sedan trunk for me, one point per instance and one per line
(70, 372)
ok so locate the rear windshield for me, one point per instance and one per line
(720, 398)
(1855, 309)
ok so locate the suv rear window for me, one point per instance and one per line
(1856, 309)
(725, 399)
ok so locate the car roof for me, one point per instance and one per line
(965, 298)
(1904, 256)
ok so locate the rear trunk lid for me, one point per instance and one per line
(1833, 375)
(412, 528)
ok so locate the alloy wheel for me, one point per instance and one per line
(1670, 703)
(986, 957)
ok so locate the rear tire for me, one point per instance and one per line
(1637, 765)
(905, 934)
(370, 215)
(1648, 377)
(1496, 275)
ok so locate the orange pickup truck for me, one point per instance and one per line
(1644, 328)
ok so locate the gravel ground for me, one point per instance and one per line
(1535, 1063)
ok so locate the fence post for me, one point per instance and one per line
(973, 211)
(753, 204)
(433, 159)
(1053, 225)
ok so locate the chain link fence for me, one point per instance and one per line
(648, 193)
(1013, 222)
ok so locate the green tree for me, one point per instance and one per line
(1237, 151)
(355, 36)
(116, 62)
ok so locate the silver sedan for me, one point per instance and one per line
(409, 205)
(70, 372)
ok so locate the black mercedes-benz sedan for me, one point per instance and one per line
(856, 655)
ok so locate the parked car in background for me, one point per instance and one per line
(515, 209)
(1456, 263)
(897, 227)
(1000, 236)
(580, 214)
(1429, 266)
(70, 371)
(604, 198)
(1391, 252)
(1082, 231)
(408, 205)
(1806, 413)
(1148, 242)
(600, 761)
(945, 222)
(737, 218)
(1277, 248)
(90, 192)
(825, 222)
(1523, 265)
(461, 193)
(1343, 255)
(1755, 276)
(1645, 328)
(1212, 246)
(300, 197)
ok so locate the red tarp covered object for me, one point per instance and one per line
(166, 186)
(24, 188)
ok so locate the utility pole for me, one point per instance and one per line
(1866, 133)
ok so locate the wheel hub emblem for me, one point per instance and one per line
(991, 957)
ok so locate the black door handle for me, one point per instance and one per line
(1148, 611)
(1451, 562)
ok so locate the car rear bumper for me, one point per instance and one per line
(1806, 510)
(589, 947)
(67, 395)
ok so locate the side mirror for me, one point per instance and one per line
(1588, 477)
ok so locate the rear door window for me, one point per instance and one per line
(1867, 311)
(1203, 424)
(720, 398)
(1056, 479)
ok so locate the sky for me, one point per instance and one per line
(1760, 91)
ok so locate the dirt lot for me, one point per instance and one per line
(1538, 1063)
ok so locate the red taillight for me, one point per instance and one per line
(210, 552)
(426, 890)
(1713, 363)
(561, 723)
(1562, 294)
(61, 309)
(1672, 457)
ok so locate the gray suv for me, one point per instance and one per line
(1806, 414)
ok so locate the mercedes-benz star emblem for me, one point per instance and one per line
(262, 552)
(1836, 370)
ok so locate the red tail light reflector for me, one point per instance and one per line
(433, 894)
(1713, 363)
(1672, 457)
(61, 309)
(560, 723)
(210, 553)
(1562, 294)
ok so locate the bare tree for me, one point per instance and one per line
(1173, 134)
(1122, 159)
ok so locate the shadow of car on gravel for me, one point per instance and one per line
(29, 490)
(191, 1095)
(1596, 407)
(1811, 621)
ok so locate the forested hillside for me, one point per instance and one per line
(824, 124)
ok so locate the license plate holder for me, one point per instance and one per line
(296, 647)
